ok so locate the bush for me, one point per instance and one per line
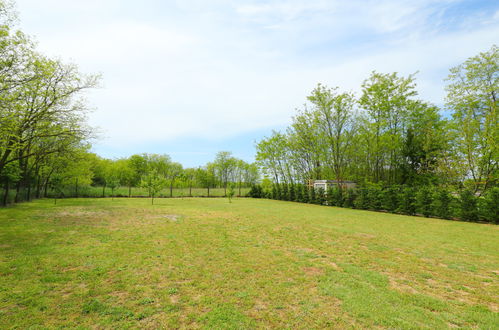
(311, 195)
(305, 194)
(291, 193)
(256, 191)
(424, 201)
(391, 198)
(274, 192)
(374, 198)
(468, 206)
(362, 200)
(298, 193)
(284, 192)
(489, 206)
(350, 197)
(320, 196)
(336, 198)
(443, 204)
(407, 200)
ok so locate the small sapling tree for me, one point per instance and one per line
(154, 183)
(230, 192)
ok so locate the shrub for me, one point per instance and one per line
(424, 201)
(337, 196)
(350, 197)
(407, 201)
(256, 191)
(298, 193)
(311, 195)
(305, 194)
(362, 200)
(468, 206)
(320, 196)
(391, 198)
(284, 192)
(489, 206)
(291, 193)
(443, 204)
(374, 197)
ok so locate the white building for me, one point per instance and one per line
(326, 184)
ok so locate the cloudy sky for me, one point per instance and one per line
(193, 77)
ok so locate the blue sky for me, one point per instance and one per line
(190, 77)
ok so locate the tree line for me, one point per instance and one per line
(42, 112)
(45, 137)
(388, 137)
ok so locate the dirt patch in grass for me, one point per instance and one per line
(313, 271)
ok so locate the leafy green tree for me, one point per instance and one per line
(11, 174)
(153, 182)
(334, 113)
(230, 192)
(386, 99)
(473, 98)
(224, 165)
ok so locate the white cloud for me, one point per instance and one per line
(215, 70)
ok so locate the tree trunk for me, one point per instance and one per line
(190, 190)
(38, 187)
(129, 191)
(103, 190)
(208, 191)
(6, 193)
(171, 190)
(45, 193)
(18, 188)
(28, 193)
(76, 188)
(239, 188)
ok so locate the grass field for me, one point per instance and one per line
(205, 263)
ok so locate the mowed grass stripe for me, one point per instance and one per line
(207, 263)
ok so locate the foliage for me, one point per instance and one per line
(424, 201)
(468, 205)
(444, 204)
(407, 201)
(489, 206)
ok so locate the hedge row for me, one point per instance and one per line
(427, 201)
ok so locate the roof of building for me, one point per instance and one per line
(333, 181)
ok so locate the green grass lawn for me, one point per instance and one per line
(205, 263)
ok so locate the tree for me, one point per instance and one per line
(336, 123)
(231, 192)
(153, 182)
(224, 166)
(206, 177)
(386, 99)
(473, 93)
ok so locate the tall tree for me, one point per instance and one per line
(473, 93)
